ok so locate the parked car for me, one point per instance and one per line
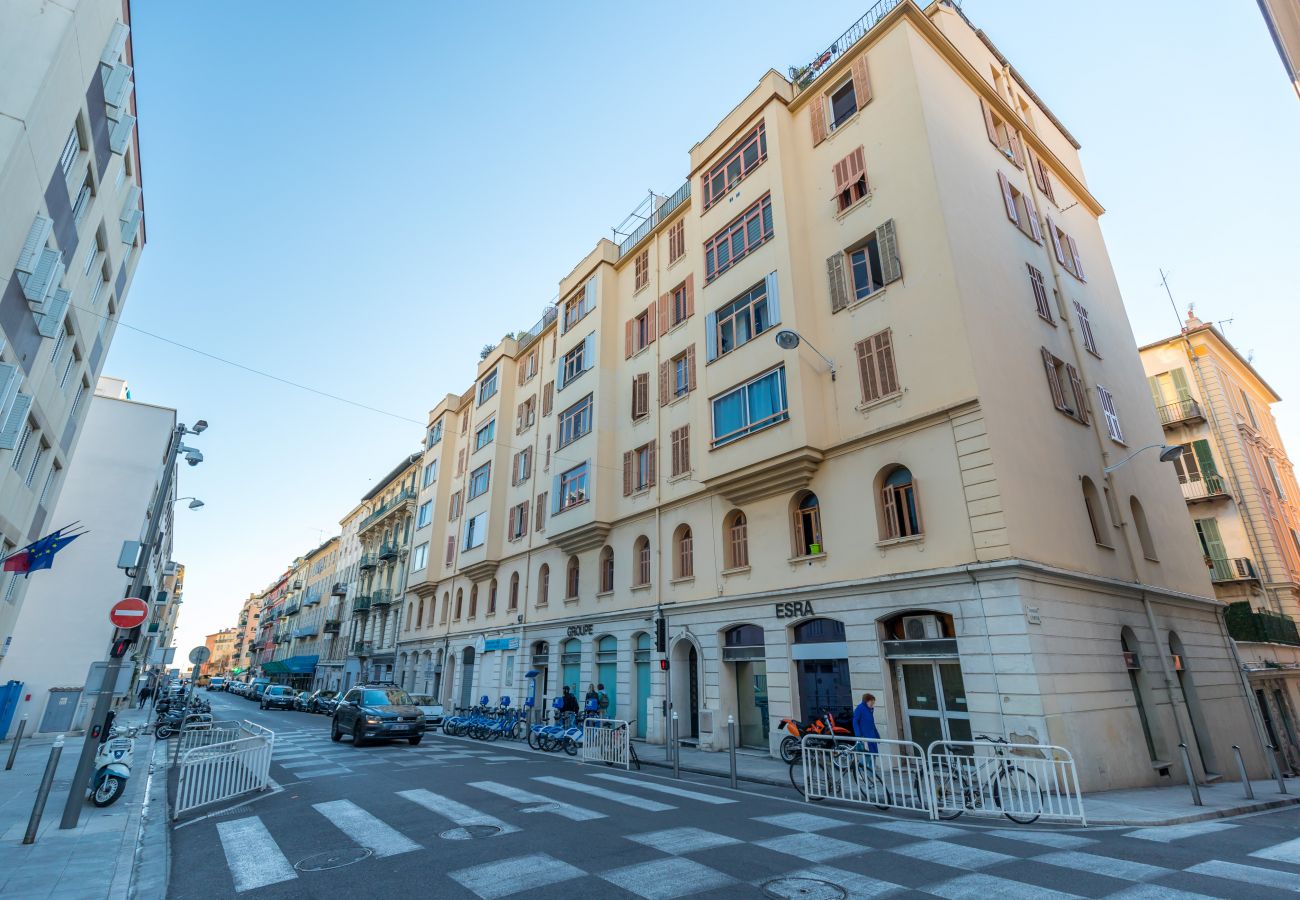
(302, 702)
(216, 683)
(255, 689)
(383, 711)
(324, 702)
(431, 708)
(277, 696)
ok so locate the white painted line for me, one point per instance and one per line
(958, 856)
(1283, 881)
(1097, 864)
(458, 813)
(514, 876)
(567, 810)
(665, 879)
(810, 846)
(365, 829)
(982, 887)
(253, 857)
(801, 822)
(1046, 838)
(662, 788)
(1288, 852)
(1166, 833)
(616, 796)
(683, 840)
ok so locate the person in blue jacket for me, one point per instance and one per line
(864, 722)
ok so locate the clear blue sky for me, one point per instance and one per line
(359, 196)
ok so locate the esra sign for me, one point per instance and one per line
(794, 609)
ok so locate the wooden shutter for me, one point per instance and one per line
(651, 464)
(523, 522)
(889, 509)
(861, 81)
(665, 307)
(651, 315)
(627, 338)
(1046, 181)
(1179, 378)
(1205, 459)
(855, 167)
(664, 394)
(840, 173)
(690, 368)
(548, 398)
(884, 353)
(1056, 241)
(541, 512)
(839, 287)
(528, 463)
(1077, 259)
(675, 454)
(1008, 198)
(1040, 292)
(627, 473)
(916, 503)
(817, 112)
(690, 295)
(1156, 396)
(460, 463)
(1080, 396)
(1017, 150)
(1035, 229)
(988, 124)
(1053, 382)
(686, 448)
(451, 549)
(891, 267)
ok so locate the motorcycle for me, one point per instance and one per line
(112, 766)
(792, 744)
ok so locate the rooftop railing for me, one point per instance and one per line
(661, 212)
(802, 76)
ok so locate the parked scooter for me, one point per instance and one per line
(112, 766)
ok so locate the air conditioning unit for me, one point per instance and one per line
(921, 628)
(170, 569)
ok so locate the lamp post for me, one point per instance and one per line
(1168, 453)
(788, 339)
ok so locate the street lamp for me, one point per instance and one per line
(195, 502)
(788, 339)
(1167, 454)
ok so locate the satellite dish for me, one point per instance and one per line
(787, 340)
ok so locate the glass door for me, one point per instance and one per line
(934, 702)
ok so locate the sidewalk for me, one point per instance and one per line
(106, 855)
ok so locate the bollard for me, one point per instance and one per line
(731, 746)
(1191, 775)
(1245, 780)
(1277, 772)
(677, 750)
(18, 739)
(43, 792)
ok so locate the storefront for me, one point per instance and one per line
(295, 671)
(930, 692)
(607, 672)
(745, 652)
(819, 652)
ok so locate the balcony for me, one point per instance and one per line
(381, 597)
(805, 75)
(332, 626)
(1260, 626)
(660, 209)
(1180, 413)
(289, 609)
(362, 648)
(405, 498)
(306, 631)
(153, 627)
(388, 552)
(297, 586)
(1239, 568)
(368, 562)
(360, 604)
(339, 589)
(1197, 488)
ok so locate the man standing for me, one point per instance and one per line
(864, 722)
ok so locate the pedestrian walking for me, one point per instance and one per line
(145, 693)
(864, 722)
(570, 702)
(602, 701)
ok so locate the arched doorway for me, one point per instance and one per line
(467, 677)
(448, 679)
(437, 676)
(685, 674)
(1192, 699)
(922, 651)
(821, 657)
(641, 692)
(607, 671)
(571, 666)
(744, 648)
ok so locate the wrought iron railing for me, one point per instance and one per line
(662, 211)
(1239, 568)
(388, 551)
(339, 589)
(362, 648)
(381, 597)
(404, 495)
(527, 338)
(360, 604)
(368, 561)
(1203, 487)
(1246, 624)
(1179, 411)
(802, 76)
(332, 626)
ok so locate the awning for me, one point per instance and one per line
(294, 665)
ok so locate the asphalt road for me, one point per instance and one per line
(458, 818)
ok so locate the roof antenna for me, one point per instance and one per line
(1164, 279)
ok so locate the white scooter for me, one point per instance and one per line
(112, 766)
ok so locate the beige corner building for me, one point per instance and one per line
(1241, 494)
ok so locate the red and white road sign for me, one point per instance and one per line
(128, 613)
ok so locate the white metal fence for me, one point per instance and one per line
(221, 770)
(202, 733)
(1023, 782)
(606, 741)
(892, 776)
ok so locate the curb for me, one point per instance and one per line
(771, 781)
(1207, 815)
(150, 866)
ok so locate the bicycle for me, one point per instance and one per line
(839, 770)
(1011, 789)
(632, 760)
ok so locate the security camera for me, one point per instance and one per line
(194, 457)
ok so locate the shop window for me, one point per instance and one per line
(900, 510)
(735, 532)
(641, 556)
(819, 631)
(743, 642)
(606, 569)
(806, 521)
(684, 555)
(571, 579)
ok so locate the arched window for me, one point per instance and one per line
(446, 604)
(806, 520)
(735, 535)
(606, 569)
(473, 601)
(684, 555)
(1143, 530)
(514, 591)
(571, 579)
(460, 597)
(419, 616)
(1132, 662)
(900, 510)
(543, 584)
(492, 598)
(819, 631)
(641, 556)
(410, 615)
(1096, 518)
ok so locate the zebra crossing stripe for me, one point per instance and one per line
(253, 857)
(663, 788)
(1286, 852)
(567, 810)
(626, 799)
(368, 831)
(459, 813)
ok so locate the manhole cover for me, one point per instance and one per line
(470, 832)
(332, 859)
(804, 889)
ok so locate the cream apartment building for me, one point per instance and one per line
(1241, 494)
(840, 410)
(221, 646)
(336, 669)
(71, 231)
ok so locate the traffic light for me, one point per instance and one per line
(120, 647)
(661, 635)
(663, 665)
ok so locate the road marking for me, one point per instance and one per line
(567, 810)
(682, 840)
(328, 770)
(801, 822)
(513, 876)
(459, 813)
(1166, 833)
(1102, 865)
(1046, 838)
(663, 788)
(929, 830)
(1288, 852)
(253, 857)
(858, 886)
(1284, 881)
(617, 797)
(810, 846)
(368, 831)
(958, 856)
(981, 887)
(662, 879)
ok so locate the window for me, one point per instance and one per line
(872, 263)
(900, 512)
(681, 450)
(744, 318)
(1277, 479)
(487, 387)
(1085, 329)
(82, 203)
(575, 421)
(1067, 251)
(850, 176)
(478, 480)
(577, 306)
(424, 515)
(1041, 178)
(1066, 387)
(677, 241)
(751, 407)
(639, 469)
(1039, 287)
(420, 557)
(514, 592)
(1019, 210)
(641, 559)
(684, 557)
(1003, 136)
(606, 569)
(680, 302)
(578, 360)
(540, 524)
(53, 477)
(640, 332)
(876, 371)
(548, 398)
(1250, 410)
(681, 382)
(1139, 517)
(485, 434)
(526, 415)
(430, 474)
(433, 436)
(571, 579)
(454, 506)
(573, 488)
(836, 102)
(71, 148)
(475, 531)
(807, 523)
(741, 236)
(1092, 505)
(522, 469)
(473, 601)
(492, 597)
(543, 584)
(746, 156)
(735, 536)
(1112, 417)
(640, 396)
(39, 457)
(642, 269)
(519, 520)
(843, 104)
(20, 448)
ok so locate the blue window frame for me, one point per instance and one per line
(478, 480)
(753, 406)
(487, 387)
(484, 435)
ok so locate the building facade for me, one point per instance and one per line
(1283, 20)
(1241, 494)
(221, 647)
(840, 409)
(71, 232)
(338, 669)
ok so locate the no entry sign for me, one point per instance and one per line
(128, 613)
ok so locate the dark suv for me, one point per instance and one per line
(377, 711)
(278, 696)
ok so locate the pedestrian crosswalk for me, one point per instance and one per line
(306, 753)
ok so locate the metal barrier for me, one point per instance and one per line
(1024, 782)
(606, 741)
(203, 733)
(213, 772)
(894, 776)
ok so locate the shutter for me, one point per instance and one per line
(773, 299)
(1033, 220)
(867, 370)
(1056, 241)
(857, 166)
(627, 338)
(37, 236)
(817, 111)
(548, 398)
(1213, 541)
(1017, 150)
(451, 549)
(519, 373)
(690, 368)
(1007, 198)
(589, 352)
(664, 393)
(690, 295)
(14, 423)
(652, 464)
(891, 267)
(1205, 459)
(1047, 181)
(627, 473)
(1078, 260)
(10, 381)
(665, 307)
(861, 81)
(1053, 382)
(559, 374)
(884, 347)
(840, 173)
(1179, 378)
(541, 512)
(519, 418)
(523, 516)
(686, 448)
(916, 502)
(1156, 398)
(116, 44)
(528, 463)
(710, 338)
(839, 288)
(890, 510)
(460, 462)
(988, 124)
(651, 314)
(589, 295)
(555, 495)
(1080, 396)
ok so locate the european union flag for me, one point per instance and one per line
(40, 554)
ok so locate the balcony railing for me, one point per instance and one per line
(1208, 487)
(661, 212)
(1261, 626)
(388, 551)
(362, 648)
(1239, 568)
(332, 626)
(339, 589)
(297, 586)
(526, 338)
(1182, 411)
(403, 496)
(381, 597)
(360, 604)
(802, 76)
(290, 608)
(368, 562)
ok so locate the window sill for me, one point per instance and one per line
(676, 261)
(811, 558)
(896, 542)
(564, 509)
(895, 397)
(636, 291)
(1150, 558)
(863, 301)
(640, 491)
(681, 476)
(640, 587)
(833, 129)
(678, 399)
(864, 200)
(1104, 546)
(601, 595)
(684, 579)
(738, 570)
(637, 352)
(1048, 319)
(569, 601)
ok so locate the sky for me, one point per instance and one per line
(357, 197)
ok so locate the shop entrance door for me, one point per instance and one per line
(641, 656)
(824, 688)
(934, 701)
(751, 703)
